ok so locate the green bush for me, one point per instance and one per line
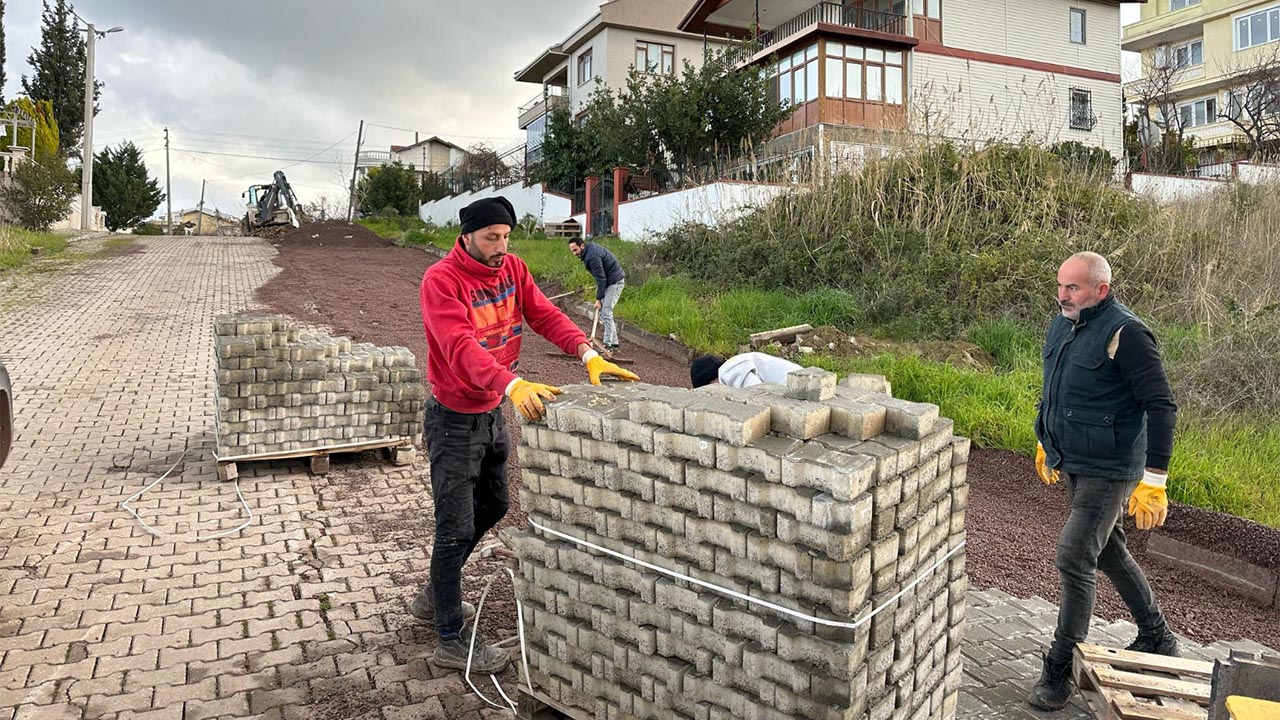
(927, 242)
(147, 228)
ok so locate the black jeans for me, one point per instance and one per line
(468, 454)
(1092, 540)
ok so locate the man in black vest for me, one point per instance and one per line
(1105, 426)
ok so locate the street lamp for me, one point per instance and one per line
(86, 163)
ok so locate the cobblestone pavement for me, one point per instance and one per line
(298, 615)
(1004, 637)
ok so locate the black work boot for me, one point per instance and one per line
(486, 659)
(1055, 686)
(423, 606)
(1159, 642)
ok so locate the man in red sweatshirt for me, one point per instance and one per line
(475, 304)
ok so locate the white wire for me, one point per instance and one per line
(471, 650)
(156, 533)
(755, 601)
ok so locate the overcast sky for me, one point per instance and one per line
(282, 81)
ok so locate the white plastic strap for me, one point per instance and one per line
(747, 598)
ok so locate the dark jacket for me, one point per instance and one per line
(603, 266)
(1093, 415)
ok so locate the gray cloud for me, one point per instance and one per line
(303, 73)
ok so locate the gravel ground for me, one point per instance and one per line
(343, 276)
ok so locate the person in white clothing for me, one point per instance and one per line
(740, 371)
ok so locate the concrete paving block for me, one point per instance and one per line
(656, 466)
(762, 456)
(623, 431)
(811, 383)
(764, 577)
(701, 450)
(842, 475)
(678, 547)
(678, 496)
(855, 419)
(866, 383)
(622, 479)
(784, 555)
(659, 405)
(835, 545)
(603, 451)
(795, 501)
(719, 534)
(711, 480)
(763, 520)
(799, 419)
(734, 423)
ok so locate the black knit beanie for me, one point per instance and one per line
(704, 370)
(485, 212)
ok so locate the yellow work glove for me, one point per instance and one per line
(1148, 504)
(528, 397)
(1048, 475)
(598, 367)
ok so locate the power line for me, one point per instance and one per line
(263, 157)
(244, 135)
(439, 134)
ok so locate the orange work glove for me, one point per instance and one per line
(598, 367)
(528, 397)
(1048, 475)
(1148, 504)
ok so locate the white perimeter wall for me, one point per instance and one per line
(527, 200)
(640, 220)
(1166, 189)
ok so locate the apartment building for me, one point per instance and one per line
(1198, 51)
(979, 70)
(623, 34)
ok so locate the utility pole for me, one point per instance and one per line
(86, 161)
(351, 198)
(168, 188)
(200, 216)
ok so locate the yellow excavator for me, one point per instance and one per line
(271, 205)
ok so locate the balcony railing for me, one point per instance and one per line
(373, 158)
(827, 13)
(555, 97)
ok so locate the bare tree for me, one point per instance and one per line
(326, 207)
(1162, 129)
(1253, 104)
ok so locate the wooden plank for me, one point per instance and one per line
(1129, 660)
(328, 449)
(782, 335)
(1151, 686)
(1132, 709)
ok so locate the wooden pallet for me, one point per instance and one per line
(400, 449)
(563, 230)
(533, 705)
(1124, 685)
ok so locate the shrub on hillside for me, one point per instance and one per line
(929, 240)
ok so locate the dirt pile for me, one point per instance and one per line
(328, 233)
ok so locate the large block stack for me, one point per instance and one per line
(281, 390)
(826, 499)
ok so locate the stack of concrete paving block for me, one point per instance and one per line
(826, 499)
(280, 390)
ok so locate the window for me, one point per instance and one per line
(1258, 28)
(1082, 117)
(1077, 16)
(861, 73)
(928, 8)
(1180, 4)
(1188, 54)
(1254, 103)
(584, 66)
(1200, 112)
(797, 77)
(654, 57)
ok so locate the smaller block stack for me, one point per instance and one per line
(282, 390)
(822, 499)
